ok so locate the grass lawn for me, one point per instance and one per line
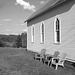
(14, 61)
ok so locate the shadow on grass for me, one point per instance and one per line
(21, 62)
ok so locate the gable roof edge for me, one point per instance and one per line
(58, 3)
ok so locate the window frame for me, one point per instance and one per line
(32, 33)
(57, 31)
(42, 34)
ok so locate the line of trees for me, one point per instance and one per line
(14, 40)
(21, 41)
(2, 44)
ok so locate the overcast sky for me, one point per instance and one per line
(13, 13)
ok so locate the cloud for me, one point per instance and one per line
(42, 2)
(26, 5)
(22, 21)
(6, 33)
(25, 30)
(0, 24)
(6, 20)
(14, 33)
(23, 24)
(7, 30)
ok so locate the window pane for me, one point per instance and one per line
(43, 37)
(57, 24)
(33, 30)
(57, 30)
(32, 34)
(42, 28)
(42, 33)
(58, 36)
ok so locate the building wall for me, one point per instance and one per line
(66, 12)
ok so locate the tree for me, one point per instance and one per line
(24, 39)
(19, 41)
(2, 44)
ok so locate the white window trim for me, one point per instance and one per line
(32, 34)
(42, 42)
(55, 30)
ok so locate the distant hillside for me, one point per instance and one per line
(13, 40)
(8, 38)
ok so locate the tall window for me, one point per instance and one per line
(57, 38)
(42, 32)
(32, 34)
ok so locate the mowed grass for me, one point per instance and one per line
(15, 61)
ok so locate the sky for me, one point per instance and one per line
(13, 13)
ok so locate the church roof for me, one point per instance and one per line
(49, 5)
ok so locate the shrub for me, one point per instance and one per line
(2, 44)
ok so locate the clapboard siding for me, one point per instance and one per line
(67, 31)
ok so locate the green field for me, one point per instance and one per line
(14, 61)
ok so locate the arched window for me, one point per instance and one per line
(32, 34)
(42, 32)
(57, 31)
